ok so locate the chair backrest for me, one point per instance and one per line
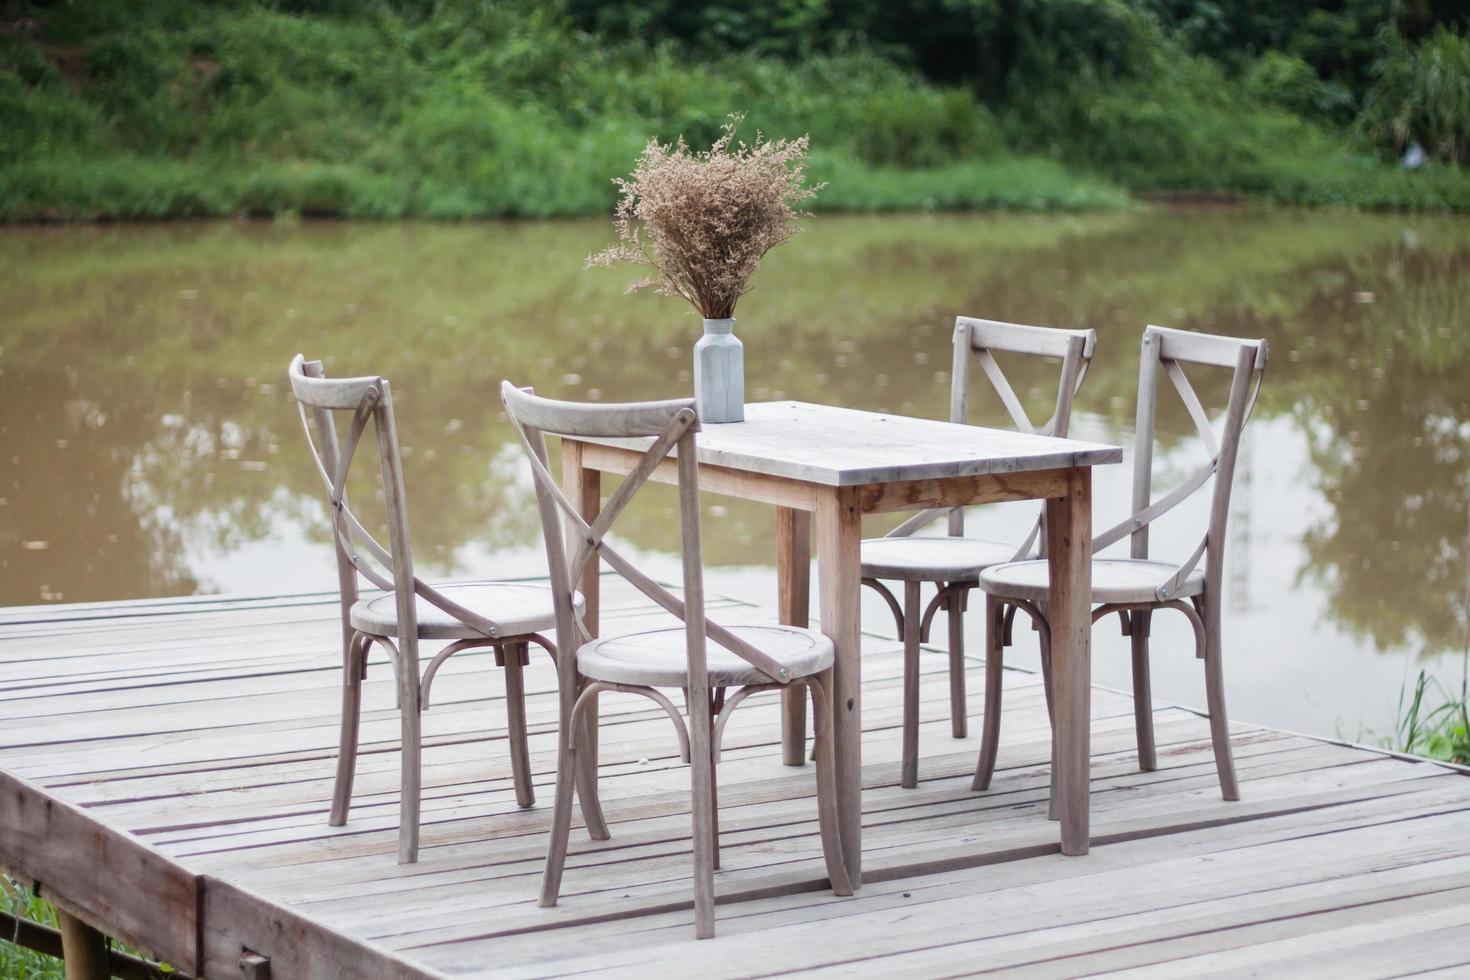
(978, 341)
(672, 426)
(1170, 350)
(369, 400)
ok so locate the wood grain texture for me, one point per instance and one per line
(839, 533)
(1069, 607)
(795, 441)
(793, 607)
(1331, 842)
(111, 879)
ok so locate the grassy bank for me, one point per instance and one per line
(410, 109)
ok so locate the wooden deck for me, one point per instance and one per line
(206, 730)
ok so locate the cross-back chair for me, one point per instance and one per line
(716, 667)
(1138, 586)
(507, 617)
(953, 563)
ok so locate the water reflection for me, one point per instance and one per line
(143, 424)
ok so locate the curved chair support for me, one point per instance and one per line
(543, 643)
(1189, 610)
(591, 691)
(368, 639)
(427, 680)
(1038, 621)
(1008, 636)
(732, 701)
(889, 598)
(954, 590)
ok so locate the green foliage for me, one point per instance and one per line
(1421, 94)
(17, 962)
(1441, 732)
(111, 109)
(1287, 82)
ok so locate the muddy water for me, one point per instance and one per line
(147, 446)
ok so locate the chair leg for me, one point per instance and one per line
(994, 667)
(714, 810)
(702, 795)
(561, 818)
(1053, 803)
(354, 656)
(1215, 698)
(515, 656)
(959, 725)
(410, 773)
(909, 770)
(587, 772)
(821, 691)
(1140, 624)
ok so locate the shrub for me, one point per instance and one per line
(1421, 94)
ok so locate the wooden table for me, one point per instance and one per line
(836, 464)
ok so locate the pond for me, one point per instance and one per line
(151, 449)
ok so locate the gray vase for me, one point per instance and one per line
(719, 373)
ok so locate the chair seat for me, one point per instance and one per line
(519, 608)
(931, 559)
(657, 658)
(1113, 580)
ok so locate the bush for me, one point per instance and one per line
(1421, 94)
(1287, 82)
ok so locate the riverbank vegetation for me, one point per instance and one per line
(517, 108)
(1434, 721)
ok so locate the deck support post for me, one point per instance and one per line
(83, 949)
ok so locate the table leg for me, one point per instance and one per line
(793, 589)
(583, 488)
(839, 531)
(1068, 543)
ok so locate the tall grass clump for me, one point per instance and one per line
(1441, 731)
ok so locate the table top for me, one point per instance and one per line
(840, 447)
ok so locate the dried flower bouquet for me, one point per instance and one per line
(703, 220)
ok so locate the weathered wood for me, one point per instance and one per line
(1069, 536)
(588, 419)
(793, 441)
(962, 491)
(1020, 338)
(640, 663)
(392, 621)
(237, 921)
(1273, 864)
(1203, 348)
(793, 601)
(839, 534)
(909, 768)
(83, 949)
(144, 898)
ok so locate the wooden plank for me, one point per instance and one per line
(795, 441)
(962, 491)
(237, 922)
(1189, 879)
(115, 881)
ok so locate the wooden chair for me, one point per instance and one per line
(742, 660)
(1136, 587)
(507, 617)
(953, 563)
